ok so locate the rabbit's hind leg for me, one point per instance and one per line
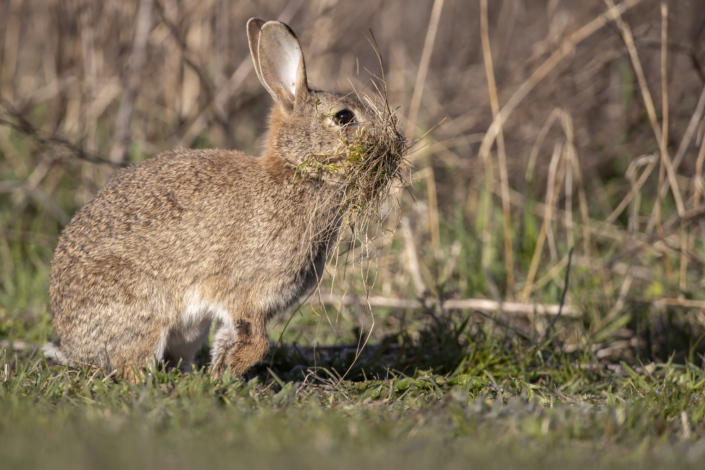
(239, 345)
(137, 348)
(115, 336)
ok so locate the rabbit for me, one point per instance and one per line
(191, 237)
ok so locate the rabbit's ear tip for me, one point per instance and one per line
(254, 28)
(255, 23)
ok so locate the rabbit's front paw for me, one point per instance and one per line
(241, 350)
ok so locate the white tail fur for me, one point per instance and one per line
(52, 351)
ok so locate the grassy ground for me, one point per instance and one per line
(503, 406)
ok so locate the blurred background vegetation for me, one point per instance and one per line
(589, 103)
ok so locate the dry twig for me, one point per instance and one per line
(501, 152)
(121, 137)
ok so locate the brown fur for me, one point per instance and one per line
(193, 236)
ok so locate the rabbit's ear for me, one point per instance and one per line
(254, 26)
(281, 64)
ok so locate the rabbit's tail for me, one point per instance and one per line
(51, 351)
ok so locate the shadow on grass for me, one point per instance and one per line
(451, 345)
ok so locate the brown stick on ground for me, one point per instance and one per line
(452, 304)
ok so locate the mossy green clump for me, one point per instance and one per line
(367, 164)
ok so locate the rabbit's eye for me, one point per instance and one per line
(344, 117)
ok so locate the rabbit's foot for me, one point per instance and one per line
(239, 348)
(132, 373)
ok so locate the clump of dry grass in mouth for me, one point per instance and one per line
(367, 164)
